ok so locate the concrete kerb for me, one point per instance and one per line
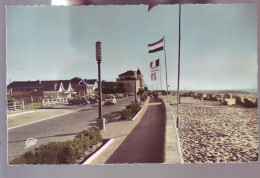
(172, 150)
(141, 110)
(95, 155)
(20, 113)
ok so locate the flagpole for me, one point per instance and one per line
(157, 81)
(165, 66)
(178, 88)
(160, 74)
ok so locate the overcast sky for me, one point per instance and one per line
(218, 47)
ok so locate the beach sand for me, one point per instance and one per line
(211, 133)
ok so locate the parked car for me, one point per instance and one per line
(131, 94)
(119, 95)
(92, 99)
(79, 100)
(110, 100)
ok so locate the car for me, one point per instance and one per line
(110, 100)
(119, 95)
(92, 99)
(79, 100)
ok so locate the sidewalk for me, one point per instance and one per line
(138, 141)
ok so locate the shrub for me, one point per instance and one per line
(11, 99)
(126, 114)
(134, 107)
(130, 110)
(61, 152)
(144, 98)
(33, 106)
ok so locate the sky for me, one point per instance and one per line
(218, 43)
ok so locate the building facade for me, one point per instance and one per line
(35, 91)
(132, 81)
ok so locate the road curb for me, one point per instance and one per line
(142, 109)
(95, 155)
(16, 114)
(172, 149)
(138, 113)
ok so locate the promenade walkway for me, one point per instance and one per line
(138, 141)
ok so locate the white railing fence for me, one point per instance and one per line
(15, 105)
(55, 101)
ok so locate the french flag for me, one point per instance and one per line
(157, 46)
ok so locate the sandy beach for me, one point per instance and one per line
(211, 133)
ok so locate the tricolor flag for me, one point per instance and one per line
(157, 46)
(154, 65)
(151, 6)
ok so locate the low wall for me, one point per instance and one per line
(172, 152)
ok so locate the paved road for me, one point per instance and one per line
(60, 128)
(145, 144)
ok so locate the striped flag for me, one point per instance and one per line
(151, 6)
(157, 46)
(154, 65)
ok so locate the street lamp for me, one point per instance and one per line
(100, 120)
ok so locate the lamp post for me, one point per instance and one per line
(100, 120)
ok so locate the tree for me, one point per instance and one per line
(120, 88)
(140, 91)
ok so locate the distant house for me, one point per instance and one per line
(132, 80)
(57, 89)
(35, 91)
(84, 87)
(30, 91)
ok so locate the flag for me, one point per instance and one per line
(157, 46)
(154, 65)
(153, 76)
(151, 6)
